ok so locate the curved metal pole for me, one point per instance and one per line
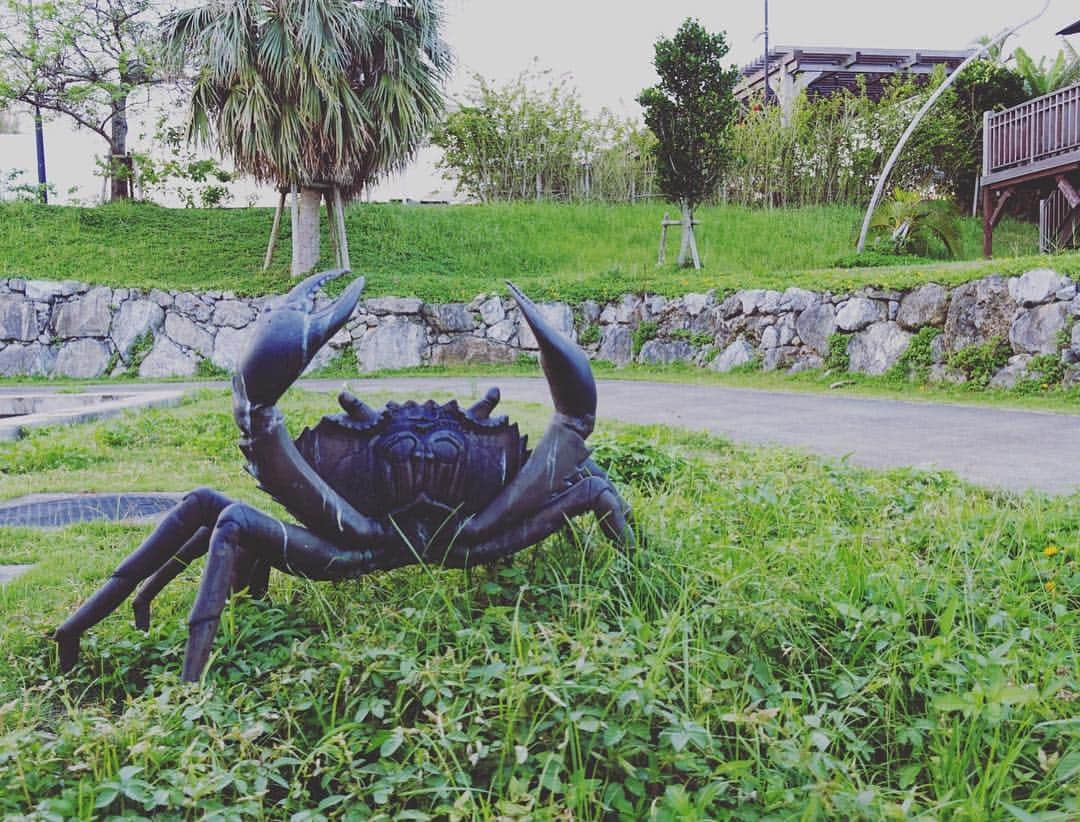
(884, 176)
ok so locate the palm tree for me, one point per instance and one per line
(317, 97)
(1040, 78)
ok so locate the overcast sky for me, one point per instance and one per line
(605, 47)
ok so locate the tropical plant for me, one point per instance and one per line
(322, 97)
(908, 221)
(1042, 77)
(691, 112)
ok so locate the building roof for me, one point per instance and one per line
(1075, 27)
(838, 68)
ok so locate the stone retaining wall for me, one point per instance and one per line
(75, 330)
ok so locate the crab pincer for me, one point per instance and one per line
(288, 334)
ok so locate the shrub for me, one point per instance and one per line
(916, 360)
(838, 359)
(979, 363)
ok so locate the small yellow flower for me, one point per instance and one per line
(1050, 586)
(1050, 550)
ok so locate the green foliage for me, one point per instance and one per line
(698, 339)
(1040, 78)
(525, 141)
(691, 112)
(979, 363)
(838, 358)
(1044, 371)
(590, 334)
(289, 92)
(796, 638)
(196, 181)
(915, 362)
(206, 369)
(907, 222)
(139, 349)
(642, 333)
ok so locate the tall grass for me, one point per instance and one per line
(794, 638)
(454, 253)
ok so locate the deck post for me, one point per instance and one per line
(988, 222)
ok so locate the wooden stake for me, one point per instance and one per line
(663, 240)
(339, 211)
(275, 230)
(295, 231)
(333, 227)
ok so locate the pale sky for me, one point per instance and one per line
(605, 48)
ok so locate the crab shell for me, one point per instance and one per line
(420, 468)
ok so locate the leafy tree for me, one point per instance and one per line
(531, 139)
(321, 96)
(690, 111)
(82, 59)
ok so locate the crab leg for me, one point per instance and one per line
(245, 533)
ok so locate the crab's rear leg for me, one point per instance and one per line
(198, 509)
(244, 534)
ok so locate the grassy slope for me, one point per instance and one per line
(798, 638)
(453, 253)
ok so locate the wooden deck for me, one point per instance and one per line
(1031, 147)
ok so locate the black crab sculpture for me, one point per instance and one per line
(373, 490)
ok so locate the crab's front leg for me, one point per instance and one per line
(288, 335)
(244, 535)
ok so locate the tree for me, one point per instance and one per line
(81, 59)
(321, 97)
(1040, 78)
(690, 112)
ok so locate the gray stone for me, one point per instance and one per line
(44, 290)
(1036, 330)
(738, 353)
(162, 298)
(978, 311)
(83, 359)
(758, 301)
(185, 332)
(894, 309)
(627, 309)
(616, 345)
(558, 315)
(492, 311)
(665, 352)
(396, 343)
(815, 325)
(85, 316)
(937, 349)
(1014, 371)
(926, 305)
(777, 358)
(167, 359)
(694, 304)
(470, 349)
(654, 304)
(807, 363)
(781, 334)
(876, 350)
(798, 299)
(1036, 287)
(857, 313)
(134, 319)
(941, 373)
(1072, 377)
(26, 360)
(18, 319)
(1067, 293)
(732, 306)
(232, 313)
(193, 306)
(590, 311)
(229, 345)
(70, 287)
(503, 331)
(393, 305)
(450, 317)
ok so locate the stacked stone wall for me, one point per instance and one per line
(72, 329)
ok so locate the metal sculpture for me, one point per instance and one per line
(373, 490)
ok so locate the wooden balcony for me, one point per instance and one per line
(1033, 146)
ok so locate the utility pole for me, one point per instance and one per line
(766, 61)
(39, 144)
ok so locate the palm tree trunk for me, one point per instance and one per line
(306, 238)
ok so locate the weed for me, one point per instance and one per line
(980, 362)
(209, 370)
(698, 339)
(915, 362)
(642, 334)
(838, 358)
(590, 334)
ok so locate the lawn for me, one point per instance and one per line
(445, 253)
(795, 637)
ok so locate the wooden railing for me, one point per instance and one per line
(1031, 132)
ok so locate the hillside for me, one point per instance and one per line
(443, 253)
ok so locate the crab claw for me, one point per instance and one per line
(288, 334)
(570, 379)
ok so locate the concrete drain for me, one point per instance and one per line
(9, 572)
(58, 510)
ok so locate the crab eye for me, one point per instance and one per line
(402, 447)
(445, 447)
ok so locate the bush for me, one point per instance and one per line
(979, 363)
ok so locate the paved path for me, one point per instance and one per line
(1016, 450)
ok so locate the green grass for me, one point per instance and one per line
(797, 638)
(553, 251)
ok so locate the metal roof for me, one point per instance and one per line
(1075, 27)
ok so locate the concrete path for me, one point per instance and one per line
(1015, 450)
